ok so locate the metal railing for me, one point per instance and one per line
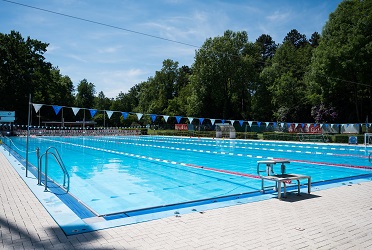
(57, 157)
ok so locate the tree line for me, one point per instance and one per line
(324, 79)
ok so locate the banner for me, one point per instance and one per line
(75, 110)
(93, 112)
(125, 115)
(57, 109)
(109, 113)
(180, 127)
(139, 116)
(153, 117)
(37, 107)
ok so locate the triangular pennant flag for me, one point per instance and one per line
(232, 122)
(93, 112)
(166, 117)
(347, 125)
(303, 125)
(153, 117)
(57, 109)
(267, 124)
(213, 121)
(125, 115)
(274, 124)
(75, 110)
(288, 124)
(241, 123)
(109, 113)
(190, 119)
(139, 116)
(259, 124)
(314, 125)
(326, 125)
(250, 123)
(282, 124)
(37, 107)
(201, 120)
(296, 124)
(223, 121)
(178, 118)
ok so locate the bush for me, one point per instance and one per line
(344, 138)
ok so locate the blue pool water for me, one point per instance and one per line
(119, 174)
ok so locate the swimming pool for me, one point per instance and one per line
(113, 175)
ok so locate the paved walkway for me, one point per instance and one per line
(337, 218)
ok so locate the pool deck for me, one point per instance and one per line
(335, 218)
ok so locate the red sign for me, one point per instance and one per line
(181, 127)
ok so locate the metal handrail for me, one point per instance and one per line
(58, 159)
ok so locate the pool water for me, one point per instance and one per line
(120, 174)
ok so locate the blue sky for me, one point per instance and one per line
(115, 60)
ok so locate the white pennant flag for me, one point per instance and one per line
(37, 107)
(190, 119)
(250, 123)
(75, 110)
(212, 121)
(267, 124)
(109, 113)
(282, 124)
(166, 117)
(232, 122)
(139, 116)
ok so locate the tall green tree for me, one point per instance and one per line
(223, 76)
(85, 94)
(340, 76)
(23, 71)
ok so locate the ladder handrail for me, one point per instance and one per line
(59, 161)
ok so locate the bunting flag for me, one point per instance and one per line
(75, 110)
(139, 116)
(93, 112)
(166, 117)
(241, 123)
(347, 125)
(125, 115)
(314, 125)
(326, 125)
(296, 124)
(267, 124)
(282, 124)
(56, 109)
(288, 125)
(190, 119)
(223, 121)
(232, 122)
(37, 107)
(303, 125)
(259, 124)
(153, 117)
(274, 124)
(178, 118)
(213, 121)
(201, 120)
(250, 123)
(109, 113)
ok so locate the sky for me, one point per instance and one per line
(116, 44)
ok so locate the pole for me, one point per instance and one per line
(28, 132)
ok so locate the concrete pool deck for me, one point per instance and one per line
(335, 218)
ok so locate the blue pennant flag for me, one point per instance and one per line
(125, 115)
(201, 120)
(57, 109)
(93, 112)
(223, 121)
(153, 117)
(178, 118)
(241, 123)
(259, 124)
(274, 124)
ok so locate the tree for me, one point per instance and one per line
(296, 38)
(223, 74)
(85, 94)
(267, 46)
(23, 71)
(340, 75)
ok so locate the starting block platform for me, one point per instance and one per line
(281, 178)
